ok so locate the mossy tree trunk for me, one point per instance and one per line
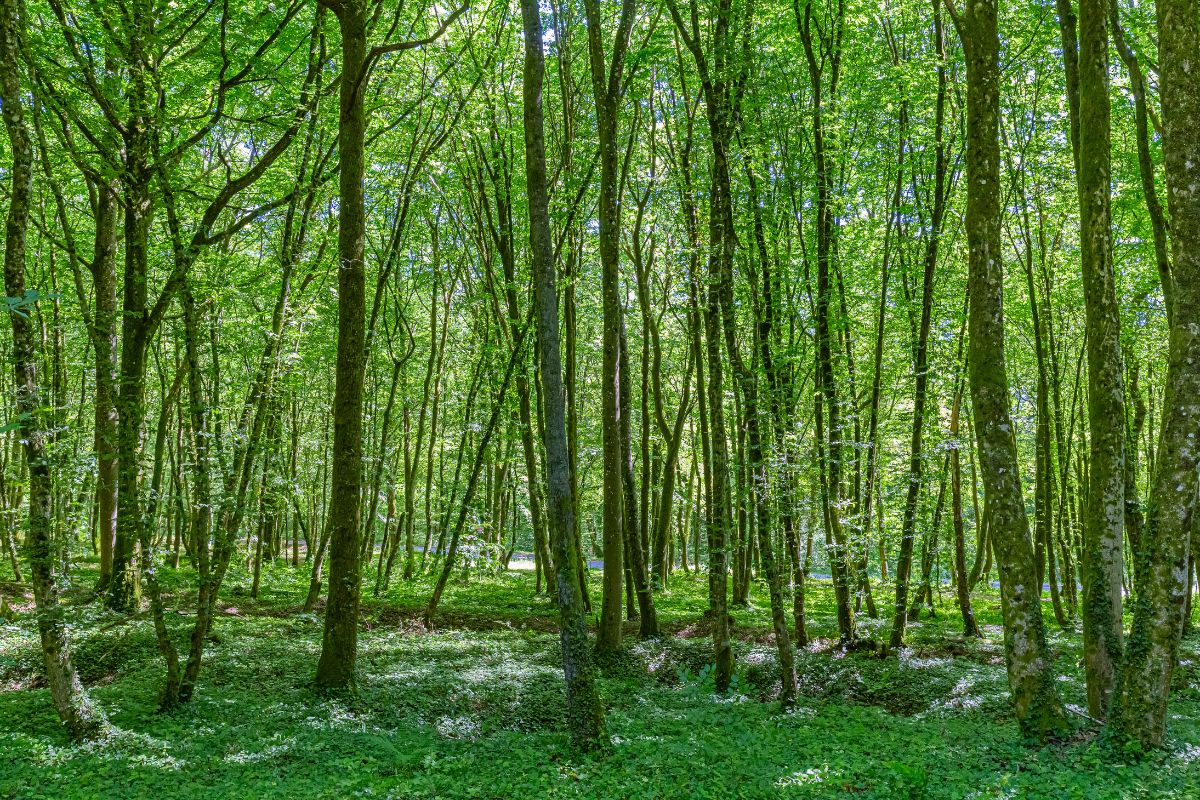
(823, 50)
(1139, 709)
(585, 713)
(607, 86)
(1030, 675)
(335, 669)
(81, 718)
(1103, 529)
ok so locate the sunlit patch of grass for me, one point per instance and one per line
(805, 777)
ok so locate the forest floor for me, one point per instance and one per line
(474, 708)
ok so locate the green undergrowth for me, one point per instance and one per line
(473, 709)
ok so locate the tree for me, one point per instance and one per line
(1104, 526)
(75, 708)
(1139, 709)
(823, 51)
(620, 513)
(941, 191)
(335, 669)
(1030, 673)
(585, 714)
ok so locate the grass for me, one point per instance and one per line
(473, 709)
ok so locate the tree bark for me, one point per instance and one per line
(335, 669)
(921, 359)
(962, 584)
(607, 81)
(585, 713)
(1104, 526)
(1030, 673)
(1139, 708)
(76, 710)
(825, 53)
(103, 330)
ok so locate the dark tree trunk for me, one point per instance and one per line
(103, 330)
(585, 713)
(335, 669)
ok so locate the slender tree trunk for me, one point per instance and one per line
(823, 54)
(635, 553)
(962, 584)
(1104, 525)
(585, 713)
(477, 464)
(607, 81)
(81, 718)
(104, 346)
(1158, 221)
(921, 351)
(748, 381)
(335, 669)
(367, 547)
(410, 468)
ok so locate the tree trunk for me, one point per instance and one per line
(748, 382)
(821, 55)
(123, 587)
(1030, 672)
(104, 346)
(1104, 526)
(962, 584)
(607, 82)
(635, 553)
(81, 718)
(585, 713)
(921, 351)
(1139, 709)
(335, 669)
